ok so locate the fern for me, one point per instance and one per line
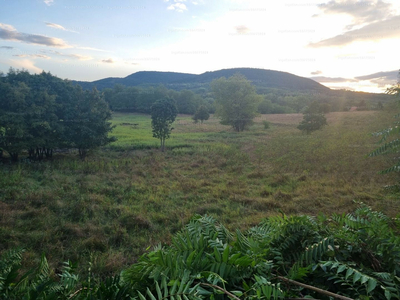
(179, 290)
(10, 264)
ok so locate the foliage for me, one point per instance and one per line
(128, 196)
(236, 100)
(390, 137)
(266, 124)
(364, 245)
(313, 119)
(354, 255)
(201, 114)
(140, 99)
(163, 114)
(39, 113)
(86, 125)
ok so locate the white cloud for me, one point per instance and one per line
(58, 26)
(33, 56)
(362, 12)
(7, 27)
(48, 2)
(9, 33)
(109, 61)
(25, 64)
(74, 56)
(318, 72)
(242, 29)
(179, 7)
(91, 48)
(387, 29)
(332, 79)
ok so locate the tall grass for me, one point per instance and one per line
(129, 196)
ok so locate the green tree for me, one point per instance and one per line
(236, 101)
(201, 114)
(312, 121)
(163, 114)
(362, 105)
(86, 123)
(15, 135)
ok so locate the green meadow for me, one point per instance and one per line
(128, 196)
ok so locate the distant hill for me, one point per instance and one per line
(178, 81)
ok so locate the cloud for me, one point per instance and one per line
(109, 61)
(362, 12)
(74, 56)
(33, 55)
(241, 29)
(332, 79)
(381, 78)
(9, 33)
(7, 47)
(135, 64)
(347, 88)
(58, 26)
(179, 7)
(48, 2)
(90, 48)
(7, 27)
(386, 29)
(25, 64)
(316, 72)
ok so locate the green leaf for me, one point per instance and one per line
(356, 277)
(371, 285)
(388, 295)
(349, 272)
(341, 268)
(225, 254)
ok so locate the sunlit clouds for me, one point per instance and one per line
(339, 43)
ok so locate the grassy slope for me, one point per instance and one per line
(126, 197)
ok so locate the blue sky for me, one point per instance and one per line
(341, 43)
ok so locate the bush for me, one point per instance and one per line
(266, 124)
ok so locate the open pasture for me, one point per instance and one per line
(128, 196)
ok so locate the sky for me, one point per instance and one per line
(343, 44)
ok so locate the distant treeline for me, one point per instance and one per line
(276, 101)
(39, 113)
(140, 99)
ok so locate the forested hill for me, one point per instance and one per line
(178, 81)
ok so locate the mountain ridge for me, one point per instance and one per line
(175, 80)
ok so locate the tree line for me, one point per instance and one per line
(274, 101)
(39, 113)
(140, 99)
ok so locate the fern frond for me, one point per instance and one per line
(389, 147)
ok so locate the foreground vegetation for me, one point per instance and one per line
(355, 255)
(108, 209)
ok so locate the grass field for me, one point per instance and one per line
(128, 196)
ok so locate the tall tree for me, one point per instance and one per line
(87, 126)
(163, 114)
(42, 112)
(236, 101)
(312, 122)
(15, 135)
